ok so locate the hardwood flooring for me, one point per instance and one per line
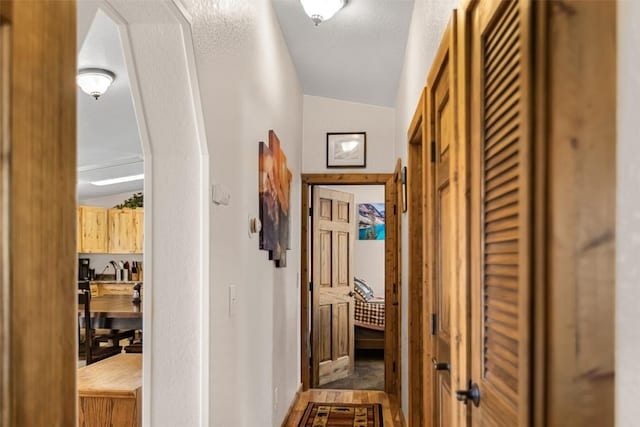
(391, 412)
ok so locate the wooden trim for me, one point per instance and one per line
(393, 284)
(5, 284)
(292, 406)
(40, 311)
(345, 179)
(417, 150)
(392, 267)
(581, 213)
(417, 122)
(461, 187)
(539, 280)
(305, 327)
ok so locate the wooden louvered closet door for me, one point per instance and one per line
(500, 230)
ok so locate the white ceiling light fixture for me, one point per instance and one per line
(95, 81)
(322, 10)
(120, 180)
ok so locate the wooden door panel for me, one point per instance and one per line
(325, 259)
(334, 229)
(325, 209)
(444, 389)
(324, 347)
(342, 260)
(499, 254)
(442, 132)
(444, 290)
(341, 319)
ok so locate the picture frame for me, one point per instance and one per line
(346, 149)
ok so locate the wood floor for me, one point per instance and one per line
(392, 415)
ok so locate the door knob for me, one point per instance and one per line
(445, 366)
(351, 294)
(473, 394)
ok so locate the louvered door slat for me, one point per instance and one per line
(506, 19)
(505, 88)
(502, 154)
(504, 115)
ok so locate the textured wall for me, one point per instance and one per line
(628, 218)
(429, 20)
(248, 85)
(172, 259)
(322, 115)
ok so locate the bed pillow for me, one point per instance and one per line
(362, 289)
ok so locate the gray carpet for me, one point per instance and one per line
(368, 373)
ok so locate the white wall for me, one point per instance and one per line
(322, 115)
(155, 53)
(249, 85)
(429, 20)
(107, 201)
(369, 254)
(628, 218)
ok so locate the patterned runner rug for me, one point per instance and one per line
(342, 415)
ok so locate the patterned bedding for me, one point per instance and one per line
(370, 314)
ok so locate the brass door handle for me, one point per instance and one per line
(351, 294)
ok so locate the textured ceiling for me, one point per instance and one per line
(108, 139)
(356, 56)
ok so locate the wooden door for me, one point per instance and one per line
(500, 240)
(333, 241)
(38, 314)
(441, 131)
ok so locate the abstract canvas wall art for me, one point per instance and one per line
(275, 192)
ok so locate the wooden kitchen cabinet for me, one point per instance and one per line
(92, 229)
(138, 224)
(126, 231)
(113, 231)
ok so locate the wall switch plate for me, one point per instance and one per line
(233, 300)
(220, 195)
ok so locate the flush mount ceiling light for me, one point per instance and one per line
(118, 180)
(94, 81)
(322, 10)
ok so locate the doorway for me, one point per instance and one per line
(365, 259)
(310, 339)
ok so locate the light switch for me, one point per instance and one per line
(233, 300)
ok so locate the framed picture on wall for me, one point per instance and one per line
(347, 150)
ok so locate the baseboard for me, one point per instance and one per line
(292, 405)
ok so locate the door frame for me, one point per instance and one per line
(419, 395)
(392, 272)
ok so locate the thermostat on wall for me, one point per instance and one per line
(220, 195)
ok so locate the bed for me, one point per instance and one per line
(369, 318)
